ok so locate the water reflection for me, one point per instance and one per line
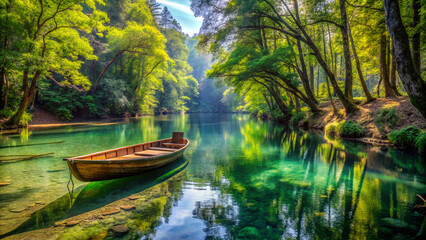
(96, 195)
(251, 179)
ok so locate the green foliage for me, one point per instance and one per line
(347, 129)
(65, 102)
(351, 129)
(386, 116)
(405, 138)
(297, 117)
(333, 129)
(7, 113)
(421, 143)
(26, 118)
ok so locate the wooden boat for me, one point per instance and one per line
(127, 161)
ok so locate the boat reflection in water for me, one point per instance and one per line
(96, 195)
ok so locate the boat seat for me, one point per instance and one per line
(179, 145)
(151, 153)
(163, 149)
(124, 157)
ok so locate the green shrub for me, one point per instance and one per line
(405, 138)
(297, 117)
(386, 116)
(7, 113)
(421, 143)
(333, 129)
(344, 129)
(351, 129)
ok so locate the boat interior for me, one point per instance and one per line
(144, 150)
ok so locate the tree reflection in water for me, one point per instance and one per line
(296, 185)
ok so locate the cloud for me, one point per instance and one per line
(184, 15)
(177, 6)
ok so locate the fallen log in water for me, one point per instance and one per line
(34, 144)
(24, 158)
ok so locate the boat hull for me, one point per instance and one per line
(88, 168)
(89, 172)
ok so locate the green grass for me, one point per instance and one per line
(387, 117)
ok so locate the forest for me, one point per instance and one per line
(96, 59)
(290, 61)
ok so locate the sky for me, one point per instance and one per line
(181, 11)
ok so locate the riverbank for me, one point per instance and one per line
(378, 118)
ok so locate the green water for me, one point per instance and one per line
(246, 179)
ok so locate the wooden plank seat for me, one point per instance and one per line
(163, 149)
(125, 157)
(178, 145)
(151, 153)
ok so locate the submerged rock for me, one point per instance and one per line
(128, 207)
(72, 223)
(133, 198)
(111, 211)
(120, 230)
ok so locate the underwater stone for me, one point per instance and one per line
(128, 207)
(72, 223)
(133, 198)
(111, 211)
(120, 230)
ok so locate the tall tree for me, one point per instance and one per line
(46, 29)
(415, 41)
(346, 51)
(358, 68)
(413, 83)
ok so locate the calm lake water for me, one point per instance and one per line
(240, 178)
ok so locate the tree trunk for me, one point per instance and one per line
(26, 97)
(2, 84)
(346, 51)
(384, 73)
(281, 105)
(106, 67)
(415, 42)
(311, 77)
(393, 75)
(304, 75)
(318, 79)
(358, 68)
(348, 104)
(325, 58)
(411, 79)
(6, 93)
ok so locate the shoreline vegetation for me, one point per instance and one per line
(317, 67)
